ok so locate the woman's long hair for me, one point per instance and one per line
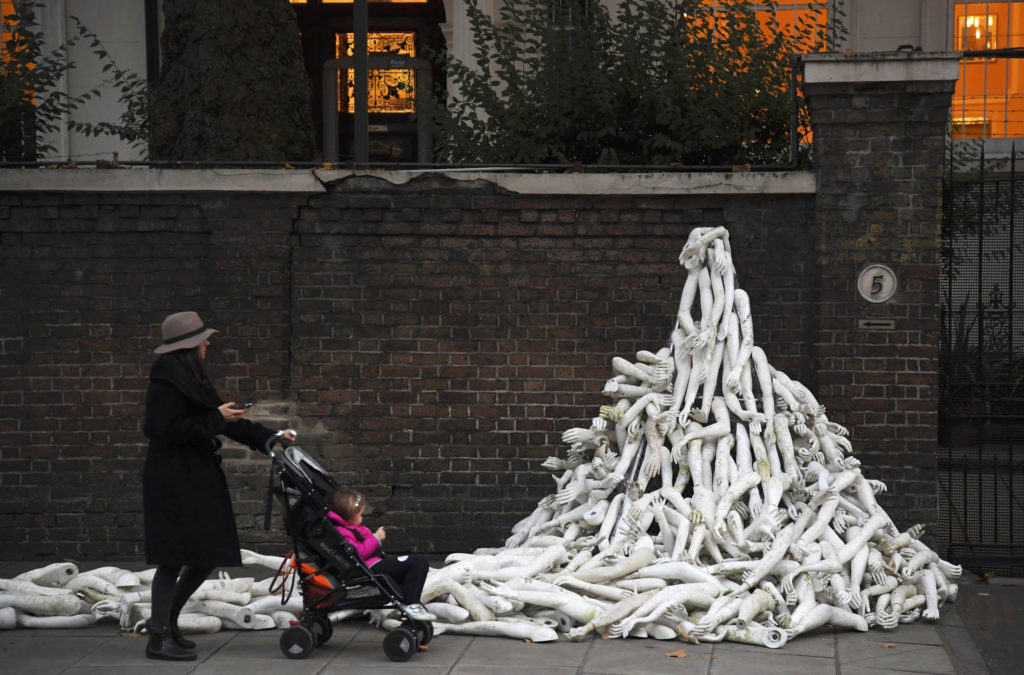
(194, 364)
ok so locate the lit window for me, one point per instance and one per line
(391, 90)
(976, 31)
(989, 97)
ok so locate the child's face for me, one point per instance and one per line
(358, 518)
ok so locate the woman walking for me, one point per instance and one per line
(189, 523)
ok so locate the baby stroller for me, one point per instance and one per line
(330, 574)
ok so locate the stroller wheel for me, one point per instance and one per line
(297, 642)
(400, 644)
(424, 630)
(321, 627)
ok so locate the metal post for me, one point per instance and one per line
(1011, 360)
(329, 77)
(424, 142)
(360, 126)
(981, 343)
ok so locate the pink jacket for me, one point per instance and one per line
(367, 548)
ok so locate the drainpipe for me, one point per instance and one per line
(361, 93)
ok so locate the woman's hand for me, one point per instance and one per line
(285, 437)
(380, 534)
(230, 412)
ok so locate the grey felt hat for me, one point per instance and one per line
(183, 330)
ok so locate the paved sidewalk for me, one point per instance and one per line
(946, 647)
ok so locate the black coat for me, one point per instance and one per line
(186, 505)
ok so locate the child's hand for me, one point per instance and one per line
(380, 534)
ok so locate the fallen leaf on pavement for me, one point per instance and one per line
(681, 654)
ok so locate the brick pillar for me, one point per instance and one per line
(879, 125)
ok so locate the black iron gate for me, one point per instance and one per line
(981, 396)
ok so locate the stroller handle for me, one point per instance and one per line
(268, 446)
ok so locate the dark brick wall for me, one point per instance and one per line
(86, 280)
(430, 341)
(446, 335)
(878, 151)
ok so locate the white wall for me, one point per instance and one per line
(120, 26)
(884, 25)
(874, 25)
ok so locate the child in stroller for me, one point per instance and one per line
(409, 570)
(331, 574)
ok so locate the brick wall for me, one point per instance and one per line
(431, 340)
(879, 132)
(86, 281)
(446, 335)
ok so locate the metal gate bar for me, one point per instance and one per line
(981, 397)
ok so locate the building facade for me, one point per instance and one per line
(988, 103)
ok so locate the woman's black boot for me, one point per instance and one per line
(176, 635)
(162, 646)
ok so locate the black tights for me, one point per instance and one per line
(172, 587)
(408, 570)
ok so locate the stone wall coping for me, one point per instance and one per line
(880, 67)
(146, 179)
